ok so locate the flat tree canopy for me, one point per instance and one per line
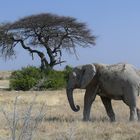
(45, 35)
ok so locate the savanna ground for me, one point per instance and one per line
(59, 121)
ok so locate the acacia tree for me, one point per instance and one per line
(45, 35)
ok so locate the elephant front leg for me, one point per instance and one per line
(88, 99)
(108, 106)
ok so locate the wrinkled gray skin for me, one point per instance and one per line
(119, 82)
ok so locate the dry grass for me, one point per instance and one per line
(61, 123)
(4, 79)
(5, 74)
(4, 84)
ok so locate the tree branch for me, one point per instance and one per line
(44, 62)
(49, 51)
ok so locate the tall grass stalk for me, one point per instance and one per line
(29, 122)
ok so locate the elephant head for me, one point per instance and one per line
(80, 77)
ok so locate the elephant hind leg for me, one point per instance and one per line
(133, 112)
(108, 106)
(138, 113)
(131, 101)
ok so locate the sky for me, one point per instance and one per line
(116, 23)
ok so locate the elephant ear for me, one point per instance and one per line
(89, 72)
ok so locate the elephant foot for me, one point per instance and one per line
(133, 113)
(112, 120)
(86, 119)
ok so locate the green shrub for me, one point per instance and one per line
(55, 80)
(58, 79)
(25, 78)
(29, 77)
(67, 70)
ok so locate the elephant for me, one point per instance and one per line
(117, 81)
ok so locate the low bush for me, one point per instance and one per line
(33, 78)
(25, 78)
(67, 70)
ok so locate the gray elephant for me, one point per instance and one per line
(120, 82)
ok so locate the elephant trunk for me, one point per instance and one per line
(71, 101)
